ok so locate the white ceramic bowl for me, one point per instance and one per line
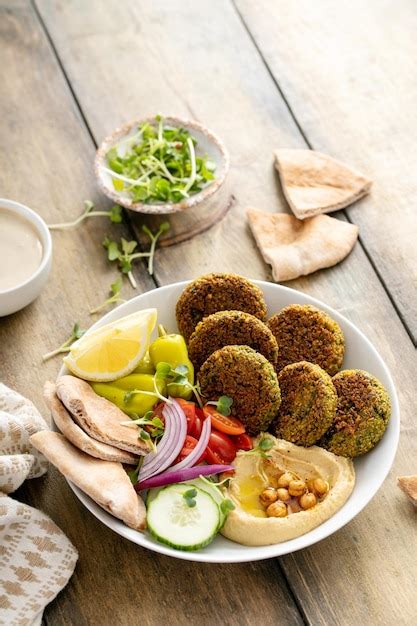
(371, 469)
(207, 143)
(16, 298)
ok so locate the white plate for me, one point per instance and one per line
(371, 469)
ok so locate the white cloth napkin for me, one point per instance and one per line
(36, 558)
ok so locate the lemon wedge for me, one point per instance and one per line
(113, 350)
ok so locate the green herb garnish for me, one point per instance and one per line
(223, 405)
(158, 164)
(115, 215)
(154, 424)
(134, 474)
(226, 506)
(76, 333)
(176, 376)
(124, 253)
(263, 446)
(190, 496)
(114, 291)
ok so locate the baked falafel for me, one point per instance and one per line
(362, 414)
(217, 292)
(304, 333)
(308, 403)
(249, 379)
(226, 328)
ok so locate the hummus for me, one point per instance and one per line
(250, 525)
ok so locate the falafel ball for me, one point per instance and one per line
(304, 333)
(217, 292)
(226, 328)
(249, 379)
(308, 403)
(362, 414)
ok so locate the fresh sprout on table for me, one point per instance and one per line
(76, 333)
(124, 252)
(115, 215)
(115, 289)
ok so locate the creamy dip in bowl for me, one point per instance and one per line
(25, 256)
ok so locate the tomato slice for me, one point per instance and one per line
(189, 445)
(189, 410)
(229, 425)
(243, 442)
(198, 423)
(221, 448)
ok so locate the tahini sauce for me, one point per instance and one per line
(20, 249)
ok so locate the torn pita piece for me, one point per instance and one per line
(105, 482)
(98, 417)
(299, 247)
(78, 437)
(409, 485)
(315, 183)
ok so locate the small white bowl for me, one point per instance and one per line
(16, 298)
(207, 143)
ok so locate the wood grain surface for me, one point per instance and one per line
(113, 61)
(348, 73)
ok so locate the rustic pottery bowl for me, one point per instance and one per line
(371, 468)
(207, 144)
(20, 295)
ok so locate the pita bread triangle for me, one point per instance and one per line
(105, 482)
(299, 247)
(78, 437)
(98, 417)
(315, 183)
(409, 485)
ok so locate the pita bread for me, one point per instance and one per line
(78, 437)
(314, 183)
(409, 485)
(105, 482)
(296, 248)
(98, 417)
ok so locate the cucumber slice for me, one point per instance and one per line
(173, 522)
(214, 492)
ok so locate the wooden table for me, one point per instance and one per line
(337, 77)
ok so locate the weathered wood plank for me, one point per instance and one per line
(348, 74)
(114, 581)
(187, 58)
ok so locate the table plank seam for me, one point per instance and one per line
(311, 147)
(143, 262)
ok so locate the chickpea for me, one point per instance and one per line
(283, 494)
(296, 488)
(268, 496)
(320, 487)
(308, 500)
(277, 509)
(285, 479)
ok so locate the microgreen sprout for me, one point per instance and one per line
(158, 164)
(114, 291)
(263, 446)
(151, 421)
(115, 215)
(223, 405)
(134, 473)
(76, 333)
(226, 506)
(164, 227)
(190, 496)
(124, 253)
(177, 376)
